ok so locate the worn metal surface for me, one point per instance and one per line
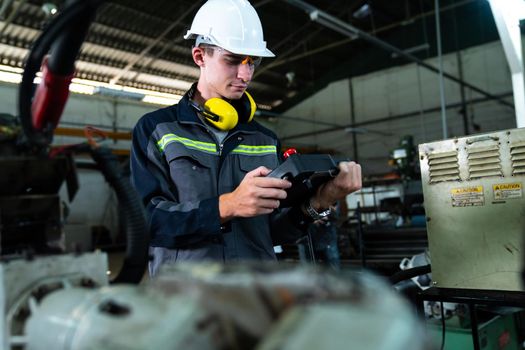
(473, 189)
(23, 282)
(212, 306)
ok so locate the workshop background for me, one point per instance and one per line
(363, 80)
(324, 92)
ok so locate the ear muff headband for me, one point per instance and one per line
(245, 107)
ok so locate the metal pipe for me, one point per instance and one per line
(464, 107)
(441, 83)
(351, 31)
(390, 118)
(352, 118)
(282, 55)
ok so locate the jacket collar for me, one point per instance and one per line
(186, 113)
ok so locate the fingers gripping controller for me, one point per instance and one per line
(306, 172)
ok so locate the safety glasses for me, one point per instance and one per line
(232, 59)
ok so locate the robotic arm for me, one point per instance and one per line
(40, 115)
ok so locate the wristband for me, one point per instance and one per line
(314, 214)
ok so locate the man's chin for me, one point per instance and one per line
(234, 95)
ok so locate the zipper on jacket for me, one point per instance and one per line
(221, 146)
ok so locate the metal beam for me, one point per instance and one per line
(347, 29)
(507, 15)
(441, 73)
(12, 15)
(277, 63)
(390, 118)
(3, 9)
(282, 55)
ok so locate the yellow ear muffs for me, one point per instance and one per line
(245, 107)
(223, 115)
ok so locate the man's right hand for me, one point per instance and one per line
(255, 195)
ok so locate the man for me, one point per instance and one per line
(202, 177)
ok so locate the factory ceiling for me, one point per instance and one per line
(140, 44)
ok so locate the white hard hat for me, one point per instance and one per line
(231, 24)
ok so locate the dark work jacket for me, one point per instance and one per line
(179, 170)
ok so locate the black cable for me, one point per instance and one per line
(65, 34)
(409, 273)
(34, 60)
(66, 46)
(137, 237)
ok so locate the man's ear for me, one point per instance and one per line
(198, 56)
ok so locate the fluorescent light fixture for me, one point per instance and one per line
(264, 107)
(355, 130)
(89, 87)
(49, 9)
(82, 89)
(10, 77)
(104, 91)
(158, 100)
(11, 69)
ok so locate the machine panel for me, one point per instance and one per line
(473, 189)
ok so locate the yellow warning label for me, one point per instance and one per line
(507, 191)
(467, 196)
(513, 186)
(474, 189)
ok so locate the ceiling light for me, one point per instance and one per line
(362, 12)
(104, 91)
(355, 130)
(161, 100)
(49, 9)
(90, 87)
(290, 76)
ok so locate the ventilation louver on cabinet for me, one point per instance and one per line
(443, 166)
(517, 157)
(484, 162)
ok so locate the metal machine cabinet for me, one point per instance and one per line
(473, 190)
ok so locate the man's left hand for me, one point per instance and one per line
(347, 181)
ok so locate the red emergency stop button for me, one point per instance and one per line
(289, 152)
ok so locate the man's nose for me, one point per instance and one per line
(245, 72)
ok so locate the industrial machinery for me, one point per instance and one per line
(53, 300)
(404, 159)
(473, 189)
(64, 302)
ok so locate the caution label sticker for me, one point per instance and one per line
(507, 191)
(467, 196)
